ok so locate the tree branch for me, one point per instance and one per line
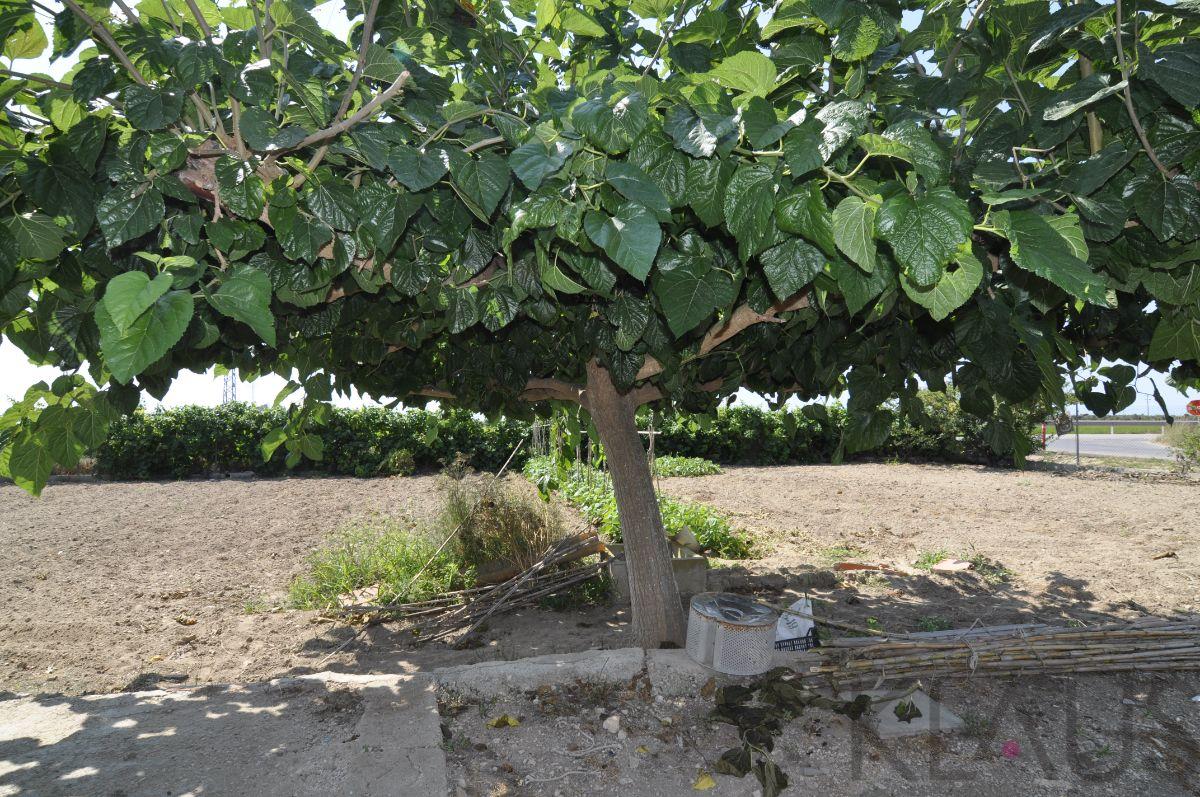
(741, 318)
(1128, 94)
(106, 37)
(338, 128)
(368, 30)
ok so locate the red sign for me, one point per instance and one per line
(1193, 407)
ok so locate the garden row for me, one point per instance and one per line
(191, 441)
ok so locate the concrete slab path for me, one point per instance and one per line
(323, 735)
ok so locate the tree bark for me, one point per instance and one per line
(657, 612)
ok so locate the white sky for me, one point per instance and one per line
(17, 373)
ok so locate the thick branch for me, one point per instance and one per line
(743, 317)
(338, 128)
(106, 37)
(368, 30)
(1128, 94)
(536, 389)
(1095, 133)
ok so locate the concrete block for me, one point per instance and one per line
(494, 678)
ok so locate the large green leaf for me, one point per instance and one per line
(706, 181)
(749, 207)
(1037, 247)
(245, 295)
(332, 200)
(1088, 175)
(612, 128)
(36, 235)
(630, 237)
(483, 181)
(152, 107)
(539, 157)
(1177, 69)
(241, 189)
(129, 211)
(29, 462)
(127, 352)
(1168, 206)
(300, 235)
(791, 265)
(418, 170)
(854, 231)
(925, 231)
(1090, 89)
(56, 188)
(748, 71)
(804, 212)
(952, 290)
(129, 295)
(1177, 337)
(636, 185)
(691, 291)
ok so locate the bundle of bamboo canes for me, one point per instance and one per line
(1142, 645)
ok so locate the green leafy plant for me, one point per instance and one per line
(608, 206)
(1184, 440)
(670, 465)
(590, 491)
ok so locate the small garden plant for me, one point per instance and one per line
(685, 466)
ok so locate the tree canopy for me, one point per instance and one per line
(474, 202)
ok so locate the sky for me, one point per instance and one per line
(17, 373)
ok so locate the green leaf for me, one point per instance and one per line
(36, 235)
(1168, 207)
(300, 236)
(262, 133)
(1177, 69)
(29, 462)
(931, 161)
(635, 185)
(749, 206)
(129, 211)
(1088, 175)
(949, 293)
(614, 128)
(245, 295)
(804, 212)
(864, 32)
(1177, 337)
(748, 71)
(129, 295)
(241, 189)
(842, 122)
(854, 231)
(1037, 247)
(332, 200)
(418, 170)
(630, 237)
(691, 291)
(25, 38)
(56, 188)
(1083, 93)
(859, 288)
(152, 107)
(130, 351)
(791, 265)
(1066, 17)
(484, 181)
(575, 21)
(539, 157)
(925, 232)
(706, 181)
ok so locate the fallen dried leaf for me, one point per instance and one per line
(704, 782)
(503, 721)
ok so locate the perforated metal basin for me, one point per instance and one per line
(731, 634)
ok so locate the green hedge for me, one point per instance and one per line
(366, 442)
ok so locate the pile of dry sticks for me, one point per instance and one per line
(1143, 645)
(559, 569)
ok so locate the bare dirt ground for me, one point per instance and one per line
(1073, 546)
(110, 586)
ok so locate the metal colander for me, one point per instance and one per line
(731, 634)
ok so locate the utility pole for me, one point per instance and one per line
(229, 388)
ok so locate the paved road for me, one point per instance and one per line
(1112, 445)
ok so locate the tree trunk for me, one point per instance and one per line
(657, 613)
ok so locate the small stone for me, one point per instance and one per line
(613, 723)
(622, 735)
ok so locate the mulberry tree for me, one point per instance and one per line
(523, 202)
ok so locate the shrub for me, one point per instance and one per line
(671, 465)
(590, 491)
(1184, 441)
